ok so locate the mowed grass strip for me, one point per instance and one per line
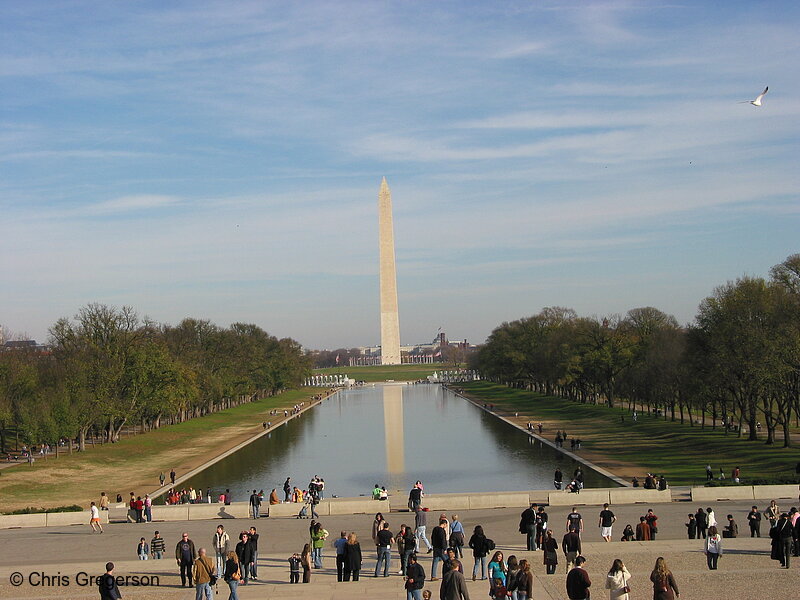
(379, 373)
(135, 462)
(678, 451)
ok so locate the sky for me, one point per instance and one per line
(222, 160)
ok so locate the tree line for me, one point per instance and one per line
(107, 368)
(738, 362)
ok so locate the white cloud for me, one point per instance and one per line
(128, 204)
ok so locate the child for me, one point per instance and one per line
(143, 549)
(691, 527)
(294, 568)
(500, 591)
(426, 595)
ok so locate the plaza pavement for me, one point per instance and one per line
(745, 569)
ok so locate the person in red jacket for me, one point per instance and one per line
(578, 582)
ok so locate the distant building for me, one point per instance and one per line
(20, 345)
(430, 353)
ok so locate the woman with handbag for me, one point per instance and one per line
(232, 575)
(550, 547)
(663, 581)
(617, 581)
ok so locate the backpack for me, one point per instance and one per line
(489, 543)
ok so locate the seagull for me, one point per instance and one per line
(757, 101)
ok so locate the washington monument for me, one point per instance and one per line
(390, 320)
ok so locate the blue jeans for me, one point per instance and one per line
(157, 554)
(413, 594)
(404, 560)
(234, 586)
(385, 556)
(254, 566)
(203, 589)
(316, 555)
(143, 557)
(420, 533)
(220, 565)
(148, 513)
(255, 510)
(438, 556)
(482, 561)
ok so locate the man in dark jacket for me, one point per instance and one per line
(185, 555)
(578, 582)
(439, 541)
(454, 586)
(702, 522)
(245, 553)
(527, 526)
(415, 575)
(571, 545)
(754, 520)
(107, 584)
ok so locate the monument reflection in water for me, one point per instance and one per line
(393, 435)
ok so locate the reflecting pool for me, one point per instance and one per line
(393, 435)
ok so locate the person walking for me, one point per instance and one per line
(221, 542)
(415, 497)
(713, 547)
(550, 547)
(571, 546)
(420, 527)
(578, 582)
(107, 584)
(497, 572)
(157, 547)
(711, 518)
(161, 479)
(605, 522)
(783, 533)
(232, 574)
(439, 540)
(185, 555)
(479, 544)
(255, 504)
(148, 508)
(415, 578)
(339, 544)
(521, 585)
(701, 517)
(754, 521)
(94, 518)
(203, 575)
(305, 562)
(575, 521)
(454, 586)
(172, 477)
(143, 549)
(457, 538)
(103, 501)
(617, 581)
(406, 545)
(664, 586)
(383, 545)
(253, 541)
(352, 558)
(245, 553)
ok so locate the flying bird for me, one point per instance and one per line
(757, 101)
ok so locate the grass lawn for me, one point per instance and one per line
(135, 462)
(385, 372)
(678, 451)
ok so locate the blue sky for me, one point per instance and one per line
(222, 159)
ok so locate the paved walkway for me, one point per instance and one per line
(745, 568)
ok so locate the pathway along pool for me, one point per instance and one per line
(393, 435)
